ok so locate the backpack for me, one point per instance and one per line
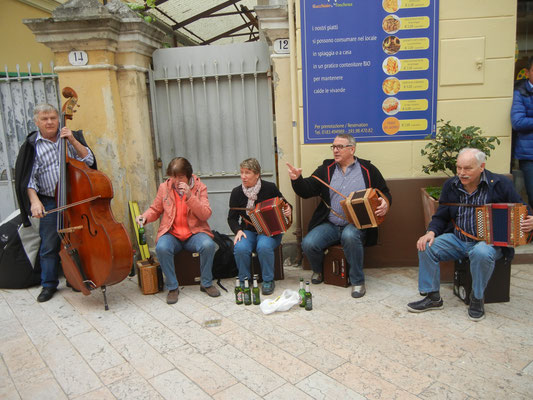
(224, 265)
(19, 253)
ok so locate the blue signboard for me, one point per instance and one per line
(369, 69)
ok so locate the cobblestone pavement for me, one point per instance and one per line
(345, 348)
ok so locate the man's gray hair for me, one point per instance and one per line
(349, 138)
(478, 154)
(43, 107)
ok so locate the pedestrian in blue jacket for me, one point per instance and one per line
(522, 121)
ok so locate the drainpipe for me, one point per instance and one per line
(294, 112)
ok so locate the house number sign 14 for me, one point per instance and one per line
(78, 57)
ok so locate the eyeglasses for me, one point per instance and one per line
(340, 146)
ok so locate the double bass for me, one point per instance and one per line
(96, 250)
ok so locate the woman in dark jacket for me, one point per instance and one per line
(253, 190)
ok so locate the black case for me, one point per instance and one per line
(187, 266)
(335, 267)
(255, 267)
(498, 287)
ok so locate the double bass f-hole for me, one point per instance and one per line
(84, 216)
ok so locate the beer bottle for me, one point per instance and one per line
(255, 292)
(308, 298)
(301, 292)
(142, 235)
(247, 294)
(238, 292)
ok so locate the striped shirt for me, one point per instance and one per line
(45, 171)
(466, 216)
(346, 183)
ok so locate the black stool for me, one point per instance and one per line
(497, 290)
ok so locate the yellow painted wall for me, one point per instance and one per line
(18, 42)
(487, 29)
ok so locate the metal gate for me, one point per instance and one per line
(213, 106)
(19, 92)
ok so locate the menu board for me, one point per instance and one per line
(369, 69)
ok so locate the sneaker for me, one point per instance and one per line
(268, 288)
(172, 296)
(476, 309)
(426, 304)
(317, 278)
(358, 291)
(211, 291)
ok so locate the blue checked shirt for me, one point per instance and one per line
(347, 182)
(466, 216)
(45, 172)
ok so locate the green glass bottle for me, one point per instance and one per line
(238, 292)
(308, 298)
(247, 293)
(142, 235)
(255, 292)
(301, 292)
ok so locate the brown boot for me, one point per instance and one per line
(211, 290)
(172, 296)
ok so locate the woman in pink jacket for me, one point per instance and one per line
(183, 204)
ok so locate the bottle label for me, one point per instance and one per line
(239, 297)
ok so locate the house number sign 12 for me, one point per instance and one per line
(78, 57)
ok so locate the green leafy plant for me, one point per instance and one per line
(142, 10)
(443, 149)
(449, 140)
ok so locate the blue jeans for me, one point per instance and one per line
(328, 234)
(526, 166)
(50, 245)
(168, 245)
(449, 247)
(264, 246)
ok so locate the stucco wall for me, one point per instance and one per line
(18, 42)
(470, 96)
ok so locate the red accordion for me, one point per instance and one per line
(268, 217)
(499, 224)
(359, 208)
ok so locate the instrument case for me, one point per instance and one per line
(336, 267)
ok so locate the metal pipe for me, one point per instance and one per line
(294, 112)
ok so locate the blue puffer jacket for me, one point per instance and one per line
(522, 121)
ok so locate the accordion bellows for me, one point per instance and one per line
(268, 217)
(359, 208)
(499, 224)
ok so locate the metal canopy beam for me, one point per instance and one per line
(227, 33)
(205, 13)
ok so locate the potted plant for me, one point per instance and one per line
(442, 152)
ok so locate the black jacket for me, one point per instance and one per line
(310, 187)
(239, 200)
(23, 168)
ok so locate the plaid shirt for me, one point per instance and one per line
(45, 172)
(466, 216)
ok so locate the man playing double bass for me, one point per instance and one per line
(36, 178)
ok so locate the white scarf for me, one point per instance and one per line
(251, 193)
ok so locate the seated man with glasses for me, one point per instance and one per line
(328, 226)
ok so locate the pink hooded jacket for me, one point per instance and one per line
(198, 211)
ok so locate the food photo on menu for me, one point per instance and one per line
(391, 5)
(391, 24)
(391, 106)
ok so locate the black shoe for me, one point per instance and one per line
(425, 304)
(476, 309)
(317, 278)
(46, 294)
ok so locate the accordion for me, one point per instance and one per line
(359, 208)
(499, 224)
(267, 217)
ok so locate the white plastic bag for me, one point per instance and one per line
(281, 303)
